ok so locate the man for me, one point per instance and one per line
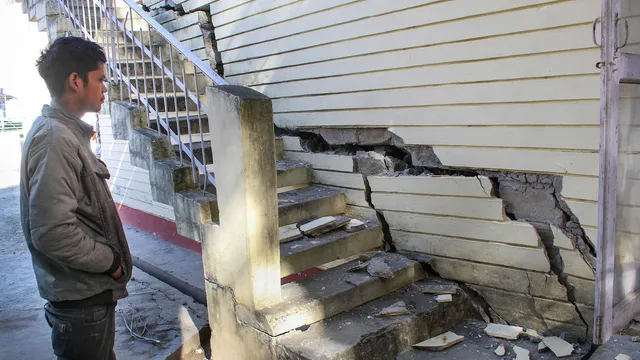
(78, 247)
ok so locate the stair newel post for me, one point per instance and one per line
(241, 253)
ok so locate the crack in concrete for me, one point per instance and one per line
(482, 186)
(386, 230)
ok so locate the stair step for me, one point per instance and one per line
(332, 292)
(309, 252)
(300, 204)
(359, 335)
(478, 346)
(292, 172)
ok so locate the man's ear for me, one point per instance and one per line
(75, 82)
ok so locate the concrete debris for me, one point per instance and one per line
(360, 266)
(635, 339)
(533, 336)
(399, 308)
(503, 331)
(440, 289)
(379, 268)
(542, 347)
(559, 347)
(289, 233)
(501, 350)
(440, 342)
(623, 357)
(521, 354)
(323, 225)
(444, 298)
(355, 225)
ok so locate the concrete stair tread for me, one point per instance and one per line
(315, 200)
(478, 346)
(333, 291)
(308, 252)
(285, 165)
(182, 115)
(357, 334)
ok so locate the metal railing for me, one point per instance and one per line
(98, 21)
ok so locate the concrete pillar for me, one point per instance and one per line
(243, 252)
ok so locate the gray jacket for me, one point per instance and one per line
(69, 219)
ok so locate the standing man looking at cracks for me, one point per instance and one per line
(78, 247)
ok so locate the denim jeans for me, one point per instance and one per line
(82, 333)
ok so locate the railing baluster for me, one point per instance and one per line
(144, 74)
(204, 154)
(76, 15)
(186, 97)
(175, 101)
(153, 78)
(88, 23)
(126, 52)
(95, 20)
(84, 17)
(133, 54)
(104, 30)
(164, 97)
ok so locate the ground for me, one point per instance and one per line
(170, 316)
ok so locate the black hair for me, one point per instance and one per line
(67, 55)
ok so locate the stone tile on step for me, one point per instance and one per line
(397, 309)
(559, 347)
(521, 354)
(503, 331)
(289, 233)
(440, 342)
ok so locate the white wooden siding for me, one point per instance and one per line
(129, 184)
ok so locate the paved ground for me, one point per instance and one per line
(170, 316)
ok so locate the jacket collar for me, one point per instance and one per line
(79, 127)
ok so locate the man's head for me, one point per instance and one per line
(73, 69)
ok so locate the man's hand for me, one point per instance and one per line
(118, 274)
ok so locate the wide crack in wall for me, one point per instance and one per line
(532, 198)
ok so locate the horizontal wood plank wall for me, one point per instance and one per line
(185, 28)
(129, 184)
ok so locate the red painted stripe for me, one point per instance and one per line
(167, 230)
(162, 228)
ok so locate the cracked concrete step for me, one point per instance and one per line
(331, 292)
(358, 334)
(308, 252)
(478, 346)
(293, 206)
(301, 204)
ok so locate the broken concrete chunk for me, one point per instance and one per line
(500, 350)
(399, 308)
(379, 268)
(324, 225)
(623, 357)
(444, 298)
(361, 265)
(533, 335)
(635, 339)
(355, 225)
(440, 289)
(323, 221)
(503, 331)
(440, 342)
(559, 347)
(521, 354)
(542, 347)
(289, 233)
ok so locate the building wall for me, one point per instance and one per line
(499, 85)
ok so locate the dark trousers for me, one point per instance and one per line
(82, 333)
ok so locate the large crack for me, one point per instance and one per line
(532, 198)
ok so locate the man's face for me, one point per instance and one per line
(92, 94)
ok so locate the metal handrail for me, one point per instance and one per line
(114, 67)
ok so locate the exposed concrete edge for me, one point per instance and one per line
(198, 294)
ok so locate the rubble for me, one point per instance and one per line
(355, 225)
(559, 347)
(444, 298)
(542, 347)
(440, 342)
(399, 308)
(623, 357)
(500, 350)
(521, 354)
(379, 268)
(533, 335)
(440, 289)
(289, 233)
(503, 331)
(324, 225)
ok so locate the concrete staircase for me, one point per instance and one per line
(327, 315)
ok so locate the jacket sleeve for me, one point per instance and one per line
(53, 182)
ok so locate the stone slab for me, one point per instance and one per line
(440, 342)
